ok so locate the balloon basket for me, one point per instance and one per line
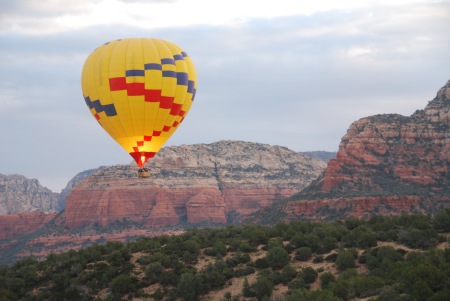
(143, 173)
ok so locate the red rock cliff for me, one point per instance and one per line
(18, 224)
(193, 183)
(383, 162)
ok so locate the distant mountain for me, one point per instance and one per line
(19, 194)
(321, 155)
(386, 164)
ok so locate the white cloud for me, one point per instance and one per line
(292, 73)
(9, 102)
(51, 16)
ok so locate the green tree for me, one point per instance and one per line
(441, 221)
(277, 258)
(158, 294)
(326, 278)
(360, 237)
(189, 258)
(227, 296)
(297, 241)
(262, 287)
(303, 253)
(192, 246)
(297, 283)
(168, 277)
(365, 285)
(153, 271)
(353, 222)
(415, 272)
(287, 274)
(327, 244)
(117, 257)
(345, 260)
(417, 238)
(246, 290)
(388, 293)
(189, 287)
(340, 290)
(257, 235)
(214, 276)
(274, 242)
(219, 248)
(309, 275)
(123, 284)
(72, 293)
(421, 290)
(162, 258)
(312, 241)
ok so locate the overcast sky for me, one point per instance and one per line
(287, 72)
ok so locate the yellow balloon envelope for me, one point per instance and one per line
(139, 90)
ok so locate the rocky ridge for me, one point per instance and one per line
(19, 194)
(388, 164)
(322, 155)
(201, 183)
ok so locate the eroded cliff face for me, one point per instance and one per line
(71, 184)
(18, 224)
(202, 183)
(19, 194)
(411, 151)
(385, 161)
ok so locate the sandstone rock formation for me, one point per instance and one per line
(19, 194)
(387, 164)
(202, 183)
(18, 224)
(78, 177)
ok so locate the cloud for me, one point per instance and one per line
(51, 16)
(289, 74)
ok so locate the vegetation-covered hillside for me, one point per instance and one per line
(385, 258)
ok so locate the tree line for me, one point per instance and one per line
(411, 268)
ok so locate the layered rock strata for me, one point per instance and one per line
(18, 224)
(388, 164)
(202, 183)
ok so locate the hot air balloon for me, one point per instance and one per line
(139, 90)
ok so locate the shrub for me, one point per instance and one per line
(262, 288)
(345, 260)
(303, 253)
(287, 274)
(122, 284)
(189, 287)
(277, 257)
(309, 275)
(297, 283)
(326, 278)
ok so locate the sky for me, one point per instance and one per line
(288, 72)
